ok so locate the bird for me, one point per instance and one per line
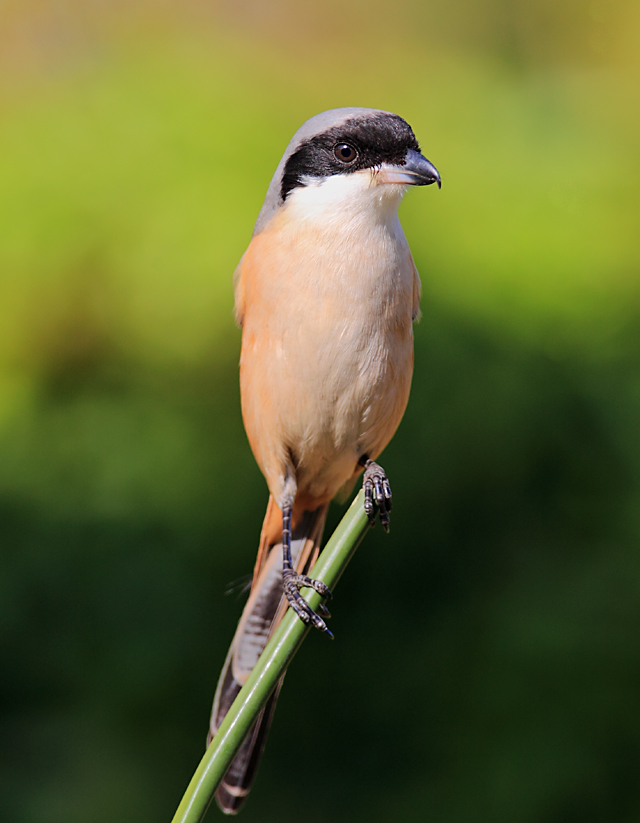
(326, 295)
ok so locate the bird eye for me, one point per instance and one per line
(345, 153)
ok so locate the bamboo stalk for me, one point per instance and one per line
(272, 663)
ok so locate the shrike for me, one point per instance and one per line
(326, 295)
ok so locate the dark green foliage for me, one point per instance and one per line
(495, 678)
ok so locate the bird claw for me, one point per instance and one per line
(292, 583)
(376, 489)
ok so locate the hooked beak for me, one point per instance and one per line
(416, 171)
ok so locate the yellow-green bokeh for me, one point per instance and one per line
(492, 679)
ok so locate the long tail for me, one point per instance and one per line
(263, 612)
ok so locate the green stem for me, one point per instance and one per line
(272, 663)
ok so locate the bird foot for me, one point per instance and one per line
(292, 583)
(376, 488)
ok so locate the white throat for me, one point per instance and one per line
(342, 200)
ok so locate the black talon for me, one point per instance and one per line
(376, 483)
(387, 493)
(317, 585)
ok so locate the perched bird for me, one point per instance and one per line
(326, 295)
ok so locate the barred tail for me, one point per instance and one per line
(263, 612)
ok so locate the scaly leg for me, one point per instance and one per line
(376, 485)
(292, 582)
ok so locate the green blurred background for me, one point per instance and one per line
(497, 677)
